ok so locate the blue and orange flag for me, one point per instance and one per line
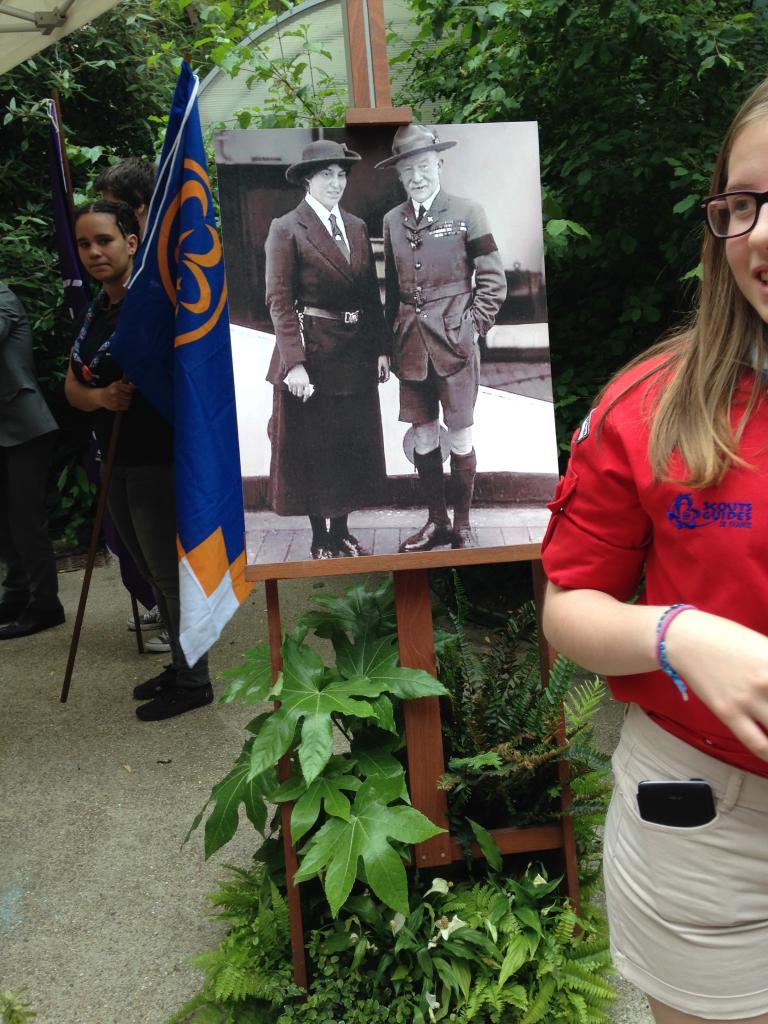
(173, 342)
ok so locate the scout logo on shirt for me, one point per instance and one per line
(686, 514)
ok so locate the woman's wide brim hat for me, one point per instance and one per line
(410, 140)
(318, 154)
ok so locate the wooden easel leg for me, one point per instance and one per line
(284, 771)
(546, 659)
(413, 609)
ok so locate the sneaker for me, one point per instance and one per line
(158, 644)
(147, 620)
(157, 685)
(175, 701)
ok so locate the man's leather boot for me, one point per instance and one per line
(463, 470)
(437, 529)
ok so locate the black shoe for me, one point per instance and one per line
(321, 550)
(156, 685)
(431, 535)
(347, 547)
(175, 701)
(32, 621)
(10, 611)
(464, 538)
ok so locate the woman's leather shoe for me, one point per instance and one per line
(347, 547)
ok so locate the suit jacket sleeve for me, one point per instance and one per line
(490, 279)
(281, 287)
(391, 282)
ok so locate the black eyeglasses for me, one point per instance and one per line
(731, 214)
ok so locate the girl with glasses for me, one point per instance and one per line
(666, 500)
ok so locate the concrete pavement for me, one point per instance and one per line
(101, 906)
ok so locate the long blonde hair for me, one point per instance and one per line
(691, 412)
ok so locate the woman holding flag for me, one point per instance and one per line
(142, 498)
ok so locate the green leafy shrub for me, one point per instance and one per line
(381, 945)
(14, 1008)
(504, 732)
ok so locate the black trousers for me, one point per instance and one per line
(25, 546)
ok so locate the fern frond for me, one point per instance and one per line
(540, 1006)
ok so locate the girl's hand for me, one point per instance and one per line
(298, 383)
(383, 368)
(117, 397)
(726, 665)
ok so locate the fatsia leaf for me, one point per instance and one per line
(316, 745)
(384, 712)
(272, 741)
(376, 659)
(252, 681)
(310, 693)
(327, 790)
(339, 844)
(235, 788)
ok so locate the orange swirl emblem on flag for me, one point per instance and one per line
(190, 267)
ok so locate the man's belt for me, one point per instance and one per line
(345, 316)
(444, 291)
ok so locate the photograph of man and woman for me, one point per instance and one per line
(388, 310)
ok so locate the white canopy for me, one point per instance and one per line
(27, 26)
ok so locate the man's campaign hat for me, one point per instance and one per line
(410, 140)
(318, 154)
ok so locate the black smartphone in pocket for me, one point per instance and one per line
(683, 803)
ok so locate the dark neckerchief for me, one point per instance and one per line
(88, 370)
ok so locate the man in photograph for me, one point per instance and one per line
(445, 284)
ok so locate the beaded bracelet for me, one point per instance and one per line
(665, 621)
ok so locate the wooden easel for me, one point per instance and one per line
(371, 95)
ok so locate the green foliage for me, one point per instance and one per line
(248, 976)
(364, 835)
(381, 946)
(502, 950)
(632, 98)
(505, 732)
(14, 1008)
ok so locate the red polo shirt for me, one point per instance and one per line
(610, 520)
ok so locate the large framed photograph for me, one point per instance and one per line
(390, 345)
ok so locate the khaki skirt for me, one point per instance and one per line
(688, 907)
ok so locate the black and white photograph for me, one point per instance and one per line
(389, 334)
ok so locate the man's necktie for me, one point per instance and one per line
(338, 237)
(420, 214)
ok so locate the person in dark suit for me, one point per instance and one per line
(29, 601)
(445, 283)
(331, 351)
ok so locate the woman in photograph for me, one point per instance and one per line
(666, 495)
(330, 354)
(142, 493)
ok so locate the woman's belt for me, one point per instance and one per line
(444, 291)
(346, 316)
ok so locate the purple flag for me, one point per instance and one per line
(76, 290)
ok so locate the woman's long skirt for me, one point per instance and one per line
(327, 454)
